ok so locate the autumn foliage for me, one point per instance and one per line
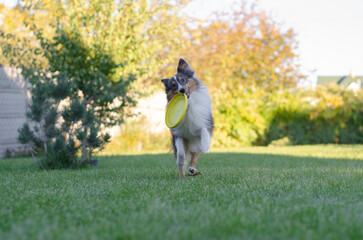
(244, 48)
(242, 56)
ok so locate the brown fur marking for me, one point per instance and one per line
(192, 85)
(170, 95)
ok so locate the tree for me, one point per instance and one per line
(138, 33)
(242, 57)
(248, 48)
(72, 101)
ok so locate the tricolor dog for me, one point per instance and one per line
(193, 135)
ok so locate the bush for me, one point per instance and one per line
(303, 116)
(326, 115)
(238, 121)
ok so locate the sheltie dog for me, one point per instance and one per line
(193, 135)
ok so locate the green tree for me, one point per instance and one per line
(73, 100)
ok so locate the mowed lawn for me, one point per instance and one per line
(303, 192)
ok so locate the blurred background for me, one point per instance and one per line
(279, 72)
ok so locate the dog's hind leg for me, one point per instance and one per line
(180, 156)
(193, 160)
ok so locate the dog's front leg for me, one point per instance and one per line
(180, 156)
(205, 140)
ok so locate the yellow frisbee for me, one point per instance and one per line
(176, 110)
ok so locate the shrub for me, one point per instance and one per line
(326, 115)
(304, 116)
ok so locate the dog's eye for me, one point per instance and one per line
(184, 80)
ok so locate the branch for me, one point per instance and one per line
(85, 130)
(99, 150)
(87, 101)
(70, 133)
(45, 151)
(38, 160)
(84, 159)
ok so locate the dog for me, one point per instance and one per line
(193, 135)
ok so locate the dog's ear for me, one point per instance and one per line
(164, 80)
(184, 68)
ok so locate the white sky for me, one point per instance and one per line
(329, 32)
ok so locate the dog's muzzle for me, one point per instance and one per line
(182, 91)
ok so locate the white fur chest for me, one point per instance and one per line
(197, 116)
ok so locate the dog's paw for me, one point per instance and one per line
(193, 172)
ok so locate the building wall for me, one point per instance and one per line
(153, 108)
(13, 101)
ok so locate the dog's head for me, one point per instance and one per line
(182, 82)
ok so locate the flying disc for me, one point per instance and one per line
(176, 110)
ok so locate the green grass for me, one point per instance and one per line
(304, 192)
